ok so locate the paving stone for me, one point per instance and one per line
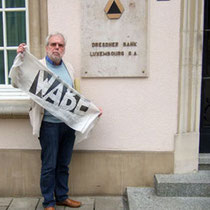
(5, 201)
(146, 199)
(60, 208)
(125, 202)
(83, 207)
(87, 203)
(23, 204)
(40, 207)
(109, 203)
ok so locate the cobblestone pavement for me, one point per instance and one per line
(88, 203)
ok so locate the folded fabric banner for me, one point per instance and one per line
(53, 94)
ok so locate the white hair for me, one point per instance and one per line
(54, 34)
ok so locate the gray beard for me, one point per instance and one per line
(56, 59)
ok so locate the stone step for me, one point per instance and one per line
(183, 185)
(204, 161)
(146, 199)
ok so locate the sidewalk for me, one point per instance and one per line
(138, 199)
(89, 203)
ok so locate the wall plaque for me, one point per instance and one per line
(114, 38)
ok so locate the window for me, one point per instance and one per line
(20, 21)
(13, 31)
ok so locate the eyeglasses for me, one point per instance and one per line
(54, 44)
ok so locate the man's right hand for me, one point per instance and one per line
(21, 48)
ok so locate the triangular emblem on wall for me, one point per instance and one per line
(114, 9)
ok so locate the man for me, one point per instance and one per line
(56, 138)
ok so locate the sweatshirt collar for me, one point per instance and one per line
(51, 62)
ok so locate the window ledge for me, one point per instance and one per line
(14, 109)
(13, 103)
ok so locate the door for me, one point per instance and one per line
(205, 95)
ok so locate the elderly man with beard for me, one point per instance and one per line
(56, 138)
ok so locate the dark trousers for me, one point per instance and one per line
(57, 142)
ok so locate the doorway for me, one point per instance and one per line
(205, 95)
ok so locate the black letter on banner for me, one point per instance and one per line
(33, 88)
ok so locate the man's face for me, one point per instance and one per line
(55, 49)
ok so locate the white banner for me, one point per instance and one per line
(53, 94)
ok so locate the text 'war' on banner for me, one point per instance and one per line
(50, 89)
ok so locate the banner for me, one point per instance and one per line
(53, 94)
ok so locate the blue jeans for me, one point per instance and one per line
(57, 142)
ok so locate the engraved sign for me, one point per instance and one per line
(113, 46)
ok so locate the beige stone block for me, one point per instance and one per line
(20, 172)
(109, 173)
(186, 152)
(99, 172)
(91, 172)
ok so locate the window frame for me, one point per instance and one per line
(7, 92)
